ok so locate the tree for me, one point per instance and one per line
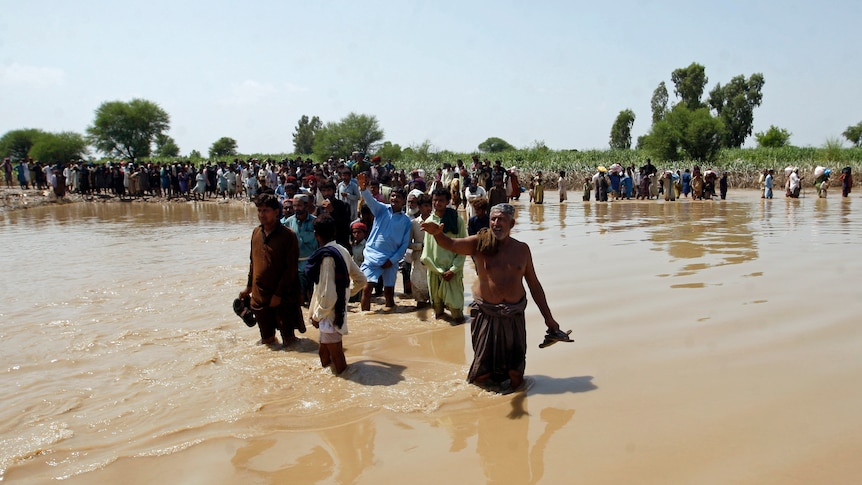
(621, 131)
(354, 132)
(59, 147)
(734, 103)
(127, 129)
(854, 134)
(389, 151)
(495, 145)
(422, 152)
(774, 137)
(166, 146)
(539, 146)
(16, 144)
(223, 147)
(685, 133)
(703, 135)
(689, 83)
(303, 135)
(195, 155)
(658, 103)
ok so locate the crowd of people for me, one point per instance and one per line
(244, 179)
(347, 230)
(647, 182)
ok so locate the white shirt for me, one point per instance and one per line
(794, 181)
(322, 305)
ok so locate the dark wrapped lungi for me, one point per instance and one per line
(499, 333)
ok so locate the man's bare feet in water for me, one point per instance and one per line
(516, 379)
(514, 383)
(289, 340)
(270, 342)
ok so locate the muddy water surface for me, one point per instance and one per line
(717, 342)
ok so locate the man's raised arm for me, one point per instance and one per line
(466, 245)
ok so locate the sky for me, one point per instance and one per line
(452, 73)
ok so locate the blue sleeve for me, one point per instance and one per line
(376, 207)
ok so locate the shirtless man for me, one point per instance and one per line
(498, 327)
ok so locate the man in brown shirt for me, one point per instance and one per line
(273, 275)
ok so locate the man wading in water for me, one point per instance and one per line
(498, 328)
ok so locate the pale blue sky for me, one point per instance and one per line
(451, 72)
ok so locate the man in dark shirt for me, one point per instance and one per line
(338, 210)
(498, 194)
(273, 275)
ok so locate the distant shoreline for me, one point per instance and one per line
(13, 199)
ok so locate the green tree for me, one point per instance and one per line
(658, 103)
(195, 155)
(355, 132)
(734, 103)
(303, 134)
(621, 131)
(59, 147)
(16, 144)
(390, 151)
(223, 147)
(495, 145)
(166, 146)
(127, 129)
(421, 153)
(686, 134)
(774, 137)
(854, 134)
(689, 83)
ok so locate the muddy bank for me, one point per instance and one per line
(22, 199)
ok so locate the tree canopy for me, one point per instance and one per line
(389, 151)
(658, 103)
(734, 103)
(621, 131)
(689, 83)
(355, 132)
(689, 129)
(16, 144)
(686, 133)
(494, 145)
(304, 133)
(854, 134)
(59, 147)
(774, 137)
(127, 129)
(166, 146)
(223, 147)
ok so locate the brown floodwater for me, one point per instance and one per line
(716, 342)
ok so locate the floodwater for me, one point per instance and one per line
(716, 342)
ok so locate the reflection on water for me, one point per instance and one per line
(507, 452)
(537, 216)
(697, 236)
(716, 234)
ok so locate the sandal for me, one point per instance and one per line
(552, 337)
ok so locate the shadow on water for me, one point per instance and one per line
(561, 385)
(374, 373)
